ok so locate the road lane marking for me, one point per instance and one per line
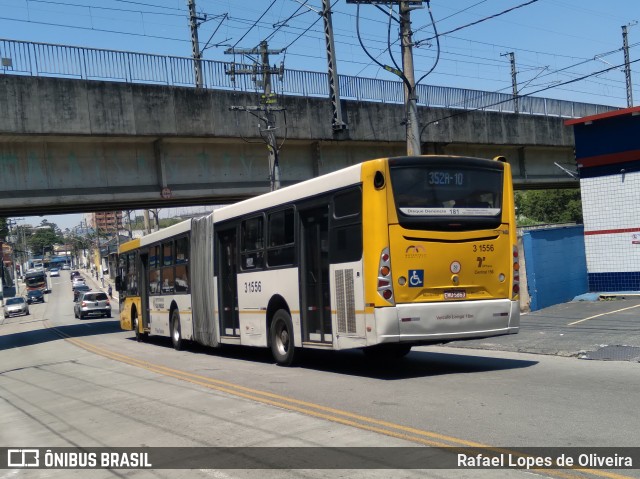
(427, 438)
(603, 314)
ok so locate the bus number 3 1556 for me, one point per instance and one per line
(253, 287)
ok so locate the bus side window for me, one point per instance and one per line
(182, 250)
(280, 251)
(182, 279)
(252, 248)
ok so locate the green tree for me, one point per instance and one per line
(43, 239)
(548, 206)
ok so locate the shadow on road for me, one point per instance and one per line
(29, 338)
(355, 363)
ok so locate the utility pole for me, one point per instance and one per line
(514, 82)
(12, 224)
(195, 43)
(410, 97)
(268, 99)
(268, 103)
(627, 66)
(408, 74)
(334, 83)
(147, 227)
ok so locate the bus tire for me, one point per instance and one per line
(176, 333)
(136, 328)
(281, 336)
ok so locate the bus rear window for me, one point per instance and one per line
(443, 197)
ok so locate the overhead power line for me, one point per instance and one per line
(97, 7)
(490, 17)
(104, 30)
(255, 23)
(568, 82)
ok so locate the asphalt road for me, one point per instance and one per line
(67, 382)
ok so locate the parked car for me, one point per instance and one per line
(73, 274)
(35, 296)
(15, 306)
(81, 288)
(54, 272)
(92, 303)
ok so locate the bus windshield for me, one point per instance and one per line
(443, 197)
(35, 279)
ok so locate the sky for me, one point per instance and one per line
(553, 41)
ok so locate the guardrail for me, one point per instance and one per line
(51, 60)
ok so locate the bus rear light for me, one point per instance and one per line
(385, 288)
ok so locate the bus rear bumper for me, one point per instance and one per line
(425, 323)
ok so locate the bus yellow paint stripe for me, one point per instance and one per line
(603, 314)
(302, 407)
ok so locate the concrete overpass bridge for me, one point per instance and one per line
(97, 142)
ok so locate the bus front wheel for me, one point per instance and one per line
(281, 335)
(176, 333)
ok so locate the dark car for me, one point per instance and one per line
(81, 288)
(35, 296)
(73, 274)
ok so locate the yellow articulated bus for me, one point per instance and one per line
(384, 255)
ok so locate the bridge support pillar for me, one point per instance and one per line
(158, 153)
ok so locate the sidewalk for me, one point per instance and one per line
(608, 329)
(96, 284)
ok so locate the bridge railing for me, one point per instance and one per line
(51, 60)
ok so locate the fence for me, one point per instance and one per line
(556, 265)
(51, 60)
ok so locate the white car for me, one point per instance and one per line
(54, 272)
(13, 306)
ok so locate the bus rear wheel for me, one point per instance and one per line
(281, 336)
(136, 326)
(176, 333)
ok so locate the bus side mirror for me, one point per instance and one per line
(118, 283)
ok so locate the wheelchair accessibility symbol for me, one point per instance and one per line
(416, 278)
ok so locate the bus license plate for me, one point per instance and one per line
(455, 294)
